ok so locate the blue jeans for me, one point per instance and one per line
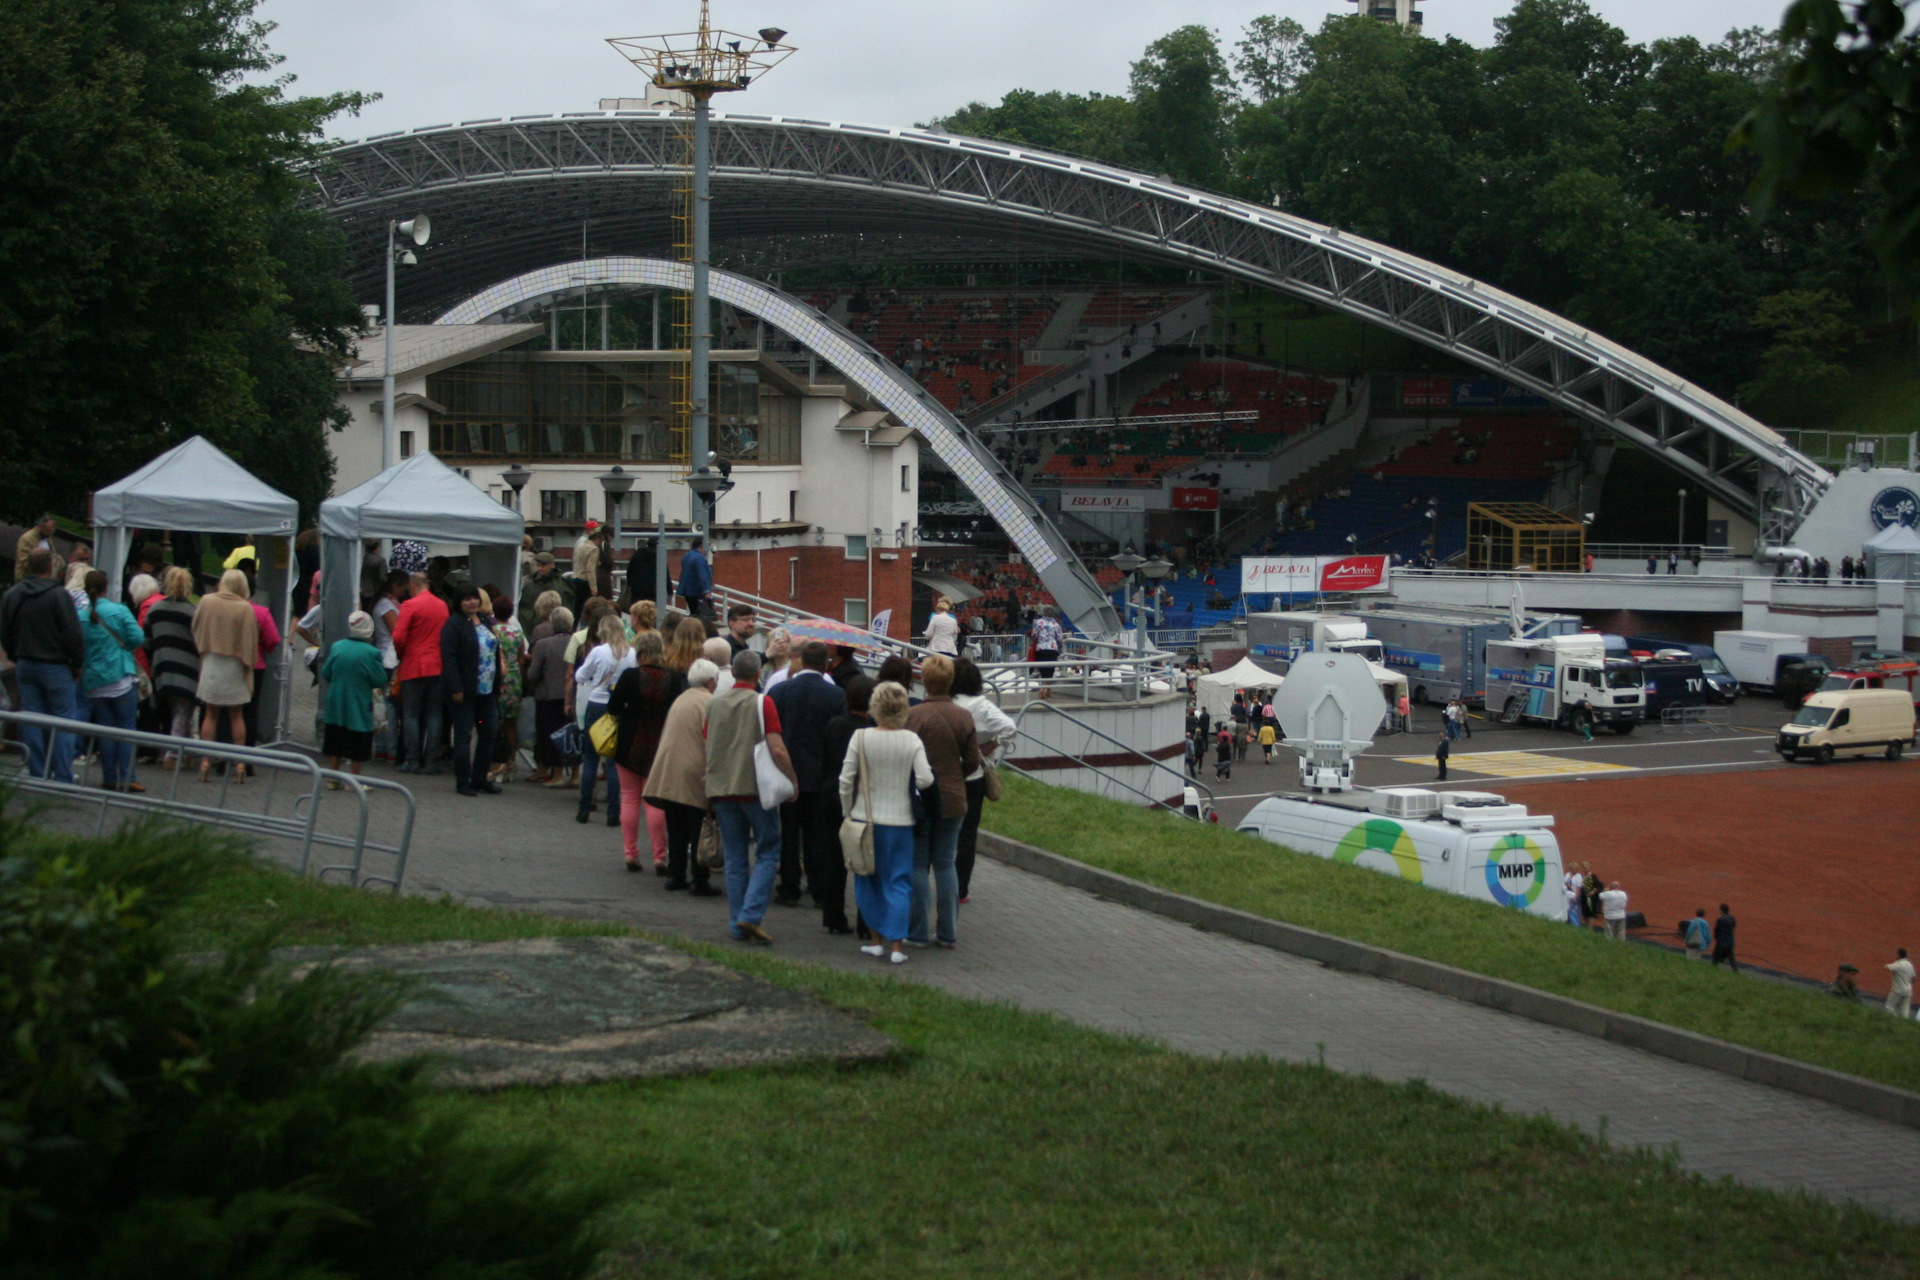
(750, 836)
(884, 896)
(592, 765)
(935, 843)
(48, 689)
(116, 758)
(420, 706)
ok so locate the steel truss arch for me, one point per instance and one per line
(515, 194)
(1076, 591)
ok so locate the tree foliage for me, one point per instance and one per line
(1564, 163)
(157, 277)
(167, 1114)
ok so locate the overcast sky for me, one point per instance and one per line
(867, 61)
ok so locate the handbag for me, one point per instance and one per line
(856, 834)
(605, 736)
(992, 777)
(775, 787)
(568, 740)
(710, 852)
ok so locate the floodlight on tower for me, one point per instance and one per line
(699, 64)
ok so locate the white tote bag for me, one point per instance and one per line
(774, 785)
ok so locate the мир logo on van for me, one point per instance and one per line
(1516, 872)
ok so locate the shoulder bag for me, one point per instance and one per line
(605, 735)
(991, 776)
(774, 786)
(856, 834)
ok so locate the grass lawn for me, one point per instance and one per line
(1010, 1143)
(1223, 866)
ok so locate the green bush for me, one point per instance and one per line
(170, 1114)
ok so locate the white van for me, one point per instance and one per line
(1471, 843)
(1849, 722)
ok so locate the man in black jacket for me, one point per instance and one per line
(470, 676)
(41, 633)
(806, 702)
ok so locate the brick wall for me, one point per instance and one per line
(1837, 650)
(823, 581)
(1685, 628)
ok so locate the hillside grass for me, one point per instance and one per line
(1011, 1143)
(1220, 865)
(1878, 395)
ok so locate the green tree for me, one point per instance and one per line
(1096, 126)
(1271, 57)
(155, 279)
(1183, 100)
(1811, 331)
(1845, 113)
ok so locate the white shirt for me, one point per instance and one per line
(594, 681)
(1613, 904)
(1902, 971)
(943, 634)
(385, 608)
(1573, 887)
(990, 724)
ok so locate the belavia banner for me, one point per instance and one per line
(1273, 574)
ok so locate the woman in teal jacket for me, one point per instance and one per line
(354, 674)
(111, 678)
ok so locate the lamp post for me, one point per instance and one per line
(1129, 566)
(616, 483)
(700, 64)
(516, 477)
(1433, 514)
(418, 229)
(1680, 535)
(1154, 571)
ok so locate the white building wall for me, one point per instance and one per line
(357, 446)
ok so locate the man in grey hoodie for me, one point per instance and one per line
(41, 632)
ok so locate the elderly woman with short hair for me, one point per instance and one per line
(884, 765)
(677, 786)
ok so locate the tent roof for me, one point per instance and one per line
(421, 498)
(194, 486)
(1244, 674)
(1895, 538)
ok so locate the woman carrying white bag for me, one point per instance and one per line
(884, 765)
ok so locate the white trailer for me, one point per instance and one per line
(1279, 638)
(1552, 679)
(1473, 844)
(1754, 656)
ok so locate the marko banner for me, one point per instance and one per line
(1277, 574)
(1195, 499)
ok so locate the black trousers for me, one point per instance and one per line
(475, 718)
(683, 842)
(826, 864)
(808, 824)
(970, 832)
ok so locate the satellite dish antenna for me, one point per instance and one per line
(1329, 707)
(419, 227)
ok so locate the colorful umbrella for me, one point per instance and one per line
(827, 631)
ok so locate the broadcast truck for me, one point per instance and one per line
(1555, 679)
(1442, 651)
(1279, 638)
(1470, 843)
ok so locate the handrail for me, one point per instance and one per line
(1129, 748)
(300, 825)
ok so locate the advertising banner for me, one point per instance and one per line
(1426, 393)
(1185, 499)
(1276, 574)
(1084, 500)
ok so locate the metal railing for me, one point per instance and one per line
(1659, 551)
(1047, 708)
(298, 822)
(1699, 719)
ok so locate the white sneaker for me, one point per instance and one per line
(876, 951)
(899, 957)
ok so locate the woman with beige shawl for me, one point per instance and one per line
(227, 633)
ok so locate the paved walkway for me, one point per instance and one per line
(1042, 946)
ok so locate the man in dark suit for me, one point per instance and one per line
(806, 702)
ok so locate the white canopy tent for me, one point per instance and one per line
(195, 488)
(424, 499)
(1894, 554)
(1214, 691)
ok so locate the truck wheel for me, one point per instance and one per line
(1823, 755)
(1623, 728)
(1893, 750)
(1420, 695)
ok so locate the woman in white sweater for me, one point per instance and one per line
(896, 765)
(994, 730)
(943, 629)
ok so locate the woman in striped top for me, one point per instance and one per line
(173, 657)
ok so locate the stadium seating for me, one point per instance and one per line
(1285, 402)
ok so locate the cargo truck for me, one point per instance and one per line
(1278, 638)
(1557, 679)
(1754, 656)
(1442, 652)
(1473, 844)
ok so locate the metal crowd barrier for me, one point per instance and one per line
(280, 773)
(1695, 719)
